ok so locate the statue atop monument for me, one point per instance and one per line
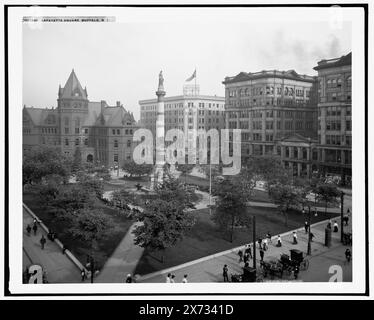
(160, 82)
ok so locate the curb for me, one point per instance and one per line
(72, 258)
(222, 253)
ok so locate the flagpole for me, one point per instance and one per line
(195, 81)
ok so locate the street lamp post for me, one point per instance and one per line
(254, 241)
(309, 251)
(341, 215)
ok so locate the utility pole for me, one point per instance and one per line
(254, 241)
(341, 215)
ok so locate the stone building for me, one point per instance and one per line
(335, 116)
(269, 107)
(185, 112)
(101, 133)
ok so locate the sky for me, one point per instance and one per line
(121, 61)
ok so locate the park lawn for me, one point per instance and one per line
(205, 238)
(80, 249)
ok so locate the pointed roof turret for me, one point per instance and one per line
(73, 88)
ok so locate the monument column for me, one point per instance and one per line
(158, 173)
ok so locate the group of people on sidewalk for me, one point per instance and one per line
(51, 235)
(170, 278)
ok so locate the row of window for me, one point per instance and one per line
(49, 130)
(268, 90)
(101, 143)
(335, 111)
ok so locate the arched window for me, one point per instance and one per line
(349, 81)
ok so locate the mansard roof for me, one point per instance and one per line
(72, 88)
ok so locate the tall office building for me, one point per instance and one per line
(270, 106)
(335, 116)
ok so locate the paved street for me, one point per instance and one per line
(59, 267)
(210, 270)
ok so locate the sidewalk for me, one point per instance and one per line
(209, 269)
(122, 261)
(59, 267)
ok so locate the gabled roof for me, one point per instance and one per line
(333, 63)
(39, 115)
(73, 88)
(94, 110)
(111, 116)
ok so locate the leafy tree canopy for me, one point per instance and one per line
(40, 162)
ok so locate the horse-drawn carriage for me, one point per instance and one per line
(286, 264)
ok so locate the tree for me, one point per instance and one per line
(165, 218)
(121, 198)
(230, 208)
(43, 161)
(91, 184)
(285, 197)
(245, 182)
(90, 226)
(164, 223)
(77, 160)
(134, 169)
(172, 188)
(327, 193)
(268, 168)
(70, 199)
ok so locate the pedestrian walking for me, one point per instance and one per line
(168, 278)
(296, 271)
(43, 241)
(348, 255)
(268, 236)
(248, 250)
(306, 226)
(262, 252)
(265, 244)
(83, 275)
(259, 241)
(311, 237)
(240, 254)
(294, 236)
(35, 228)
(185, 278)
(128, 278)
(28, 229)
(346, 220)
(246, 257)
(172, 279)
(279, 241)
(329, 224)
(336, 226)
(225, 273)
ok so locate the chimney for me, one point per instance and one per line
(118, 103)
(103, 105)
